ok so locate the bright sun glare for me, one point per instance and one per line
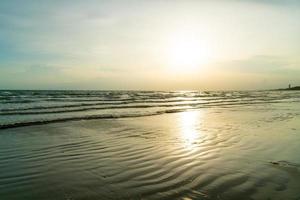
(188, 124)
(187, 52)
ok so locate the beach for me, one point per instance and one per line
(150, 100)
(239, 151)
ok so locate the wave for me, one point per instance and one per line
(230, 157)
(82, 108)
(89, 117)
(22, 108)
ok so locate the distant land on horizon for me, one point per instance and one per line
(291, 88)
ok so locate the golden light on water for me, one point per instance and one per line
(188, 127)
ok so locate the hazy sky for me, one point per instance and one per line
(157, 45)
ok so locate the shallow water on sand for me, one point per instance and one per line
(241, 152)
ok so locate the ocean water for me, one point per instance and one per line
(20, 108)
(62, 145)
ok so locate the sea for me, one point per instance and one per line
(25, 107)
(214, 145)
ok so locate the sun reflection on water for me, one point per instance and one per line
(188, 127)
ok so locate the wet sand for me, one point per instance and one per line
(238, 152)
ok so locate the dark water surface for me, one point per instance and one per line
(19, 108)
(149, 145)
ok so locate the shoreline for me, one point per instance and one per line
(210, 154)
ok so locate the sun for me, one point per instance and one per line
(186, 52)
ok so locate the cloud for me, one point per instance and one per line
(261, 64)
(272, 2)
(117, 43)
(257, 72)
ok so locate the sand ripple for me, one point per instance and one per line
(212, 154)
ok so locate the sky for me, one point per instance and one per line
(149, 45)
